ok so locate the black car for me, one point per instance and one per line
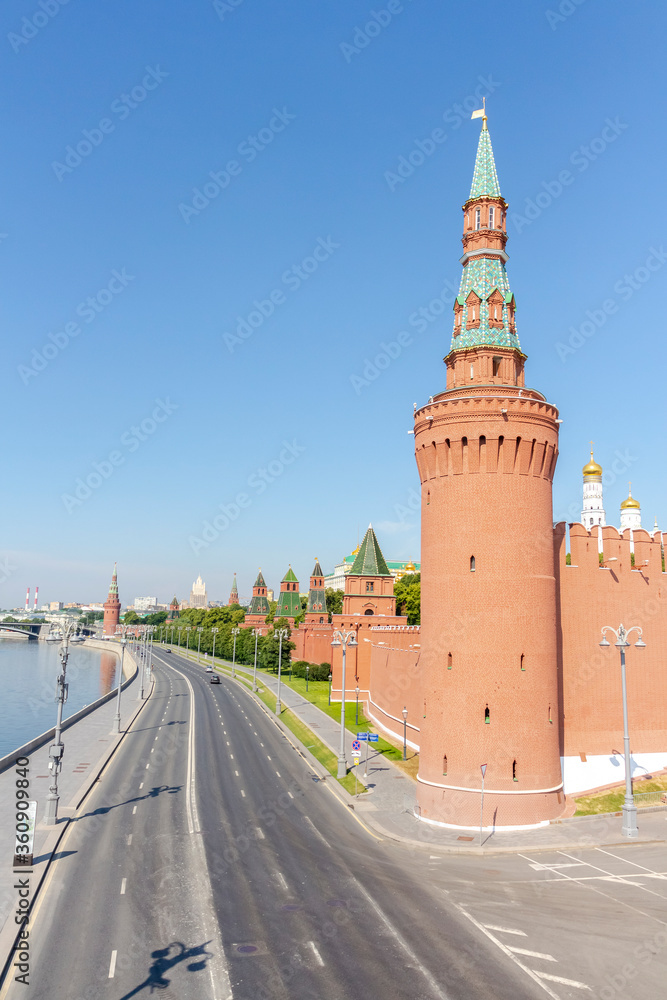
(215, 679)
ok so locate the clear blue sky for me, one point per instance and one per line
(333, 105)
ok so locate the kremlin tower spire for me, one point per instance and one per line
(316, 611)
(486, 450)
(112, 606)
(234, 595)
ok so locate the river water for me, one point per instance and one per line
(28, 671)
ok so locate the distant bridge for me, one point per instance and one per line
(33, 630)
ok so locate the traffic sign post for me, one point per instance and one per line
(481, 815)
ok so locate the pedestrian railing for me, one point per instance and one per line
(650, 798)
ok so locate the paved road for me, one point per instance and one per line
(307, 903)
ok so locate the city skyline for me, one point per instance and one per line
(330, 246)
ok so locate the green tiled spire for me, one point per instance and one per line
(259, 605)
(260, 581)
(370, 561)
(317, 571)
(289, 602)
(485, 178)
(317, 598)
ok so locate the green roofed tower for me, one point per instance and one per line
(317, 601)
(369, 560)
(259, 605)
(234, 595)
(289, 602)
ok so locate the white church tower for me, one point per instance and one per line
(631, 513)
(592, 515)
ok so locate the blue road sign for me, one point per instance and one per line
(373, 737)
(356, 746)
(362, 736)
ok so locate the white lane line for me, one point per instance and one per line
(231, 756)
(564, 982)
(147, 766)
(504, 930)
(627, 861)
(398, 937)
(227, 742)
(134, 810)
(236, 773)
(141, 786)
(312, 826)
(318, 957)
(260, 833)
(153, 750)
(191, 797)
(123, 886)
(290, 795)
(611, 877)
(531, 954)
(242, 793)
(268, 757)
(281, 879)
(278, 773)
(129, 839)
(112, 964)
(506, 950)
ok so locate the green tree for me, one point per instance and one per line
(334, 601)
(407, 591)
(157, 618)
(131, 618)
(270, 648)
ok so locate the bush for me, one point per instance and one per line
(316, 671)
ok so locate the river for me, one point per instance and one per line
(28, 671)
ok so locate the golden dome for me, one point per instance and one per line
(630, 503)
(592, 468)
(410, 567)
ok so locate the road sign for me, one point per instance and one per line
(356, 745)
(362, 736)
(356, 754)
(355, 762)
(373, 737)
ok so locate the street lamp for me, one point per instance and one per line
(256, 632)
(180, 629)
(235, 632)
(199, 632)
(330, 678)
(404, 713)
(344, 639)
(307, 671)
(172, 634)
(116, 719)
(629, 823)
(282, 634)
(215, 632)
(187, 638)
(356, 713)
(57, 748)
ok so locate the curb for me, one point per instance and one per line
(10, 932)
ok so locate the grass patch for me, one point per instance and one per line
(612, 800)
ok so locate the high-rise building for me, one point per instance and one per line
(198, 594)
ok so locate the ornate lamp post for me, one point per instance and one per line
(256, 632)
(199, 632)
(356, 713)
(629, 823)
(235, 632)
(180, 629)
(188, 629)
(282, 634)
(172, 634)
(404, 713)
(57, 749)
(214, 632)
(116, 719)
(344, 639)
(330, 678)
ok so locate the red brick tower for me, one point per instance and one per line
(112, 607)
(234, 595)
(289, 602)
(316, 611)
(259, 605)
(486, 450)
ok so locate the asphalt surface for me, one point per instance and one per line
(244, 873)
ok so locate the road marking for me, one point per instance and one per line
(112, 965)
(531, 954)
(153, 750)
(242, 793)
(529, 972)
(504, 930)
(290, 795)
(147, 766)
(129, 839)
(141, 786)
(268, 757)
(610, 877)
(628, 862)
(236, 773)
(278, 773)
(134, 810)
(319, 958)
(123, 885)
(231, 756)
(227, 741)
(260, 833)
(281, 879)
(403, 943)
(564, 982)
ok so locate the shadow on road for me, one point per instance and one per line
(152, 794)
(165, 959)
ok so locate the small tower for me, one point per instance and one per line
(174, 608)
(112, 607)
(592, 514)
(631, 512)
(259, 605)
(316, 612)
(289, 602)
(369, 586)
(234, 594)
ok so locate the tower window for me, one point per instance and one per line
(368, 611)
(472, 564)
(550, 719)
(496, 361)
(487, 715)
(472, 367)
(491, 217)
(444, 764)
(478, 219)
(514, 777)
(428, 497)
(369, 587)
(450, 661)
(523, 661)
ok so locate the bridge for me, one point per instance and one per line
(34, 630)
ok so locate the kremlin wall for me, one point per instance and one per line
(505, 669)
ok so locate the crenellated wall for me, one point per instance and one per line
(591, 596)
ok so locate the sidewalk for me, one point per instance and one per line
(88, 746)
(388, 808)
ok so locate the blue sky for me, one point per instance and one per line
(230, 327)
